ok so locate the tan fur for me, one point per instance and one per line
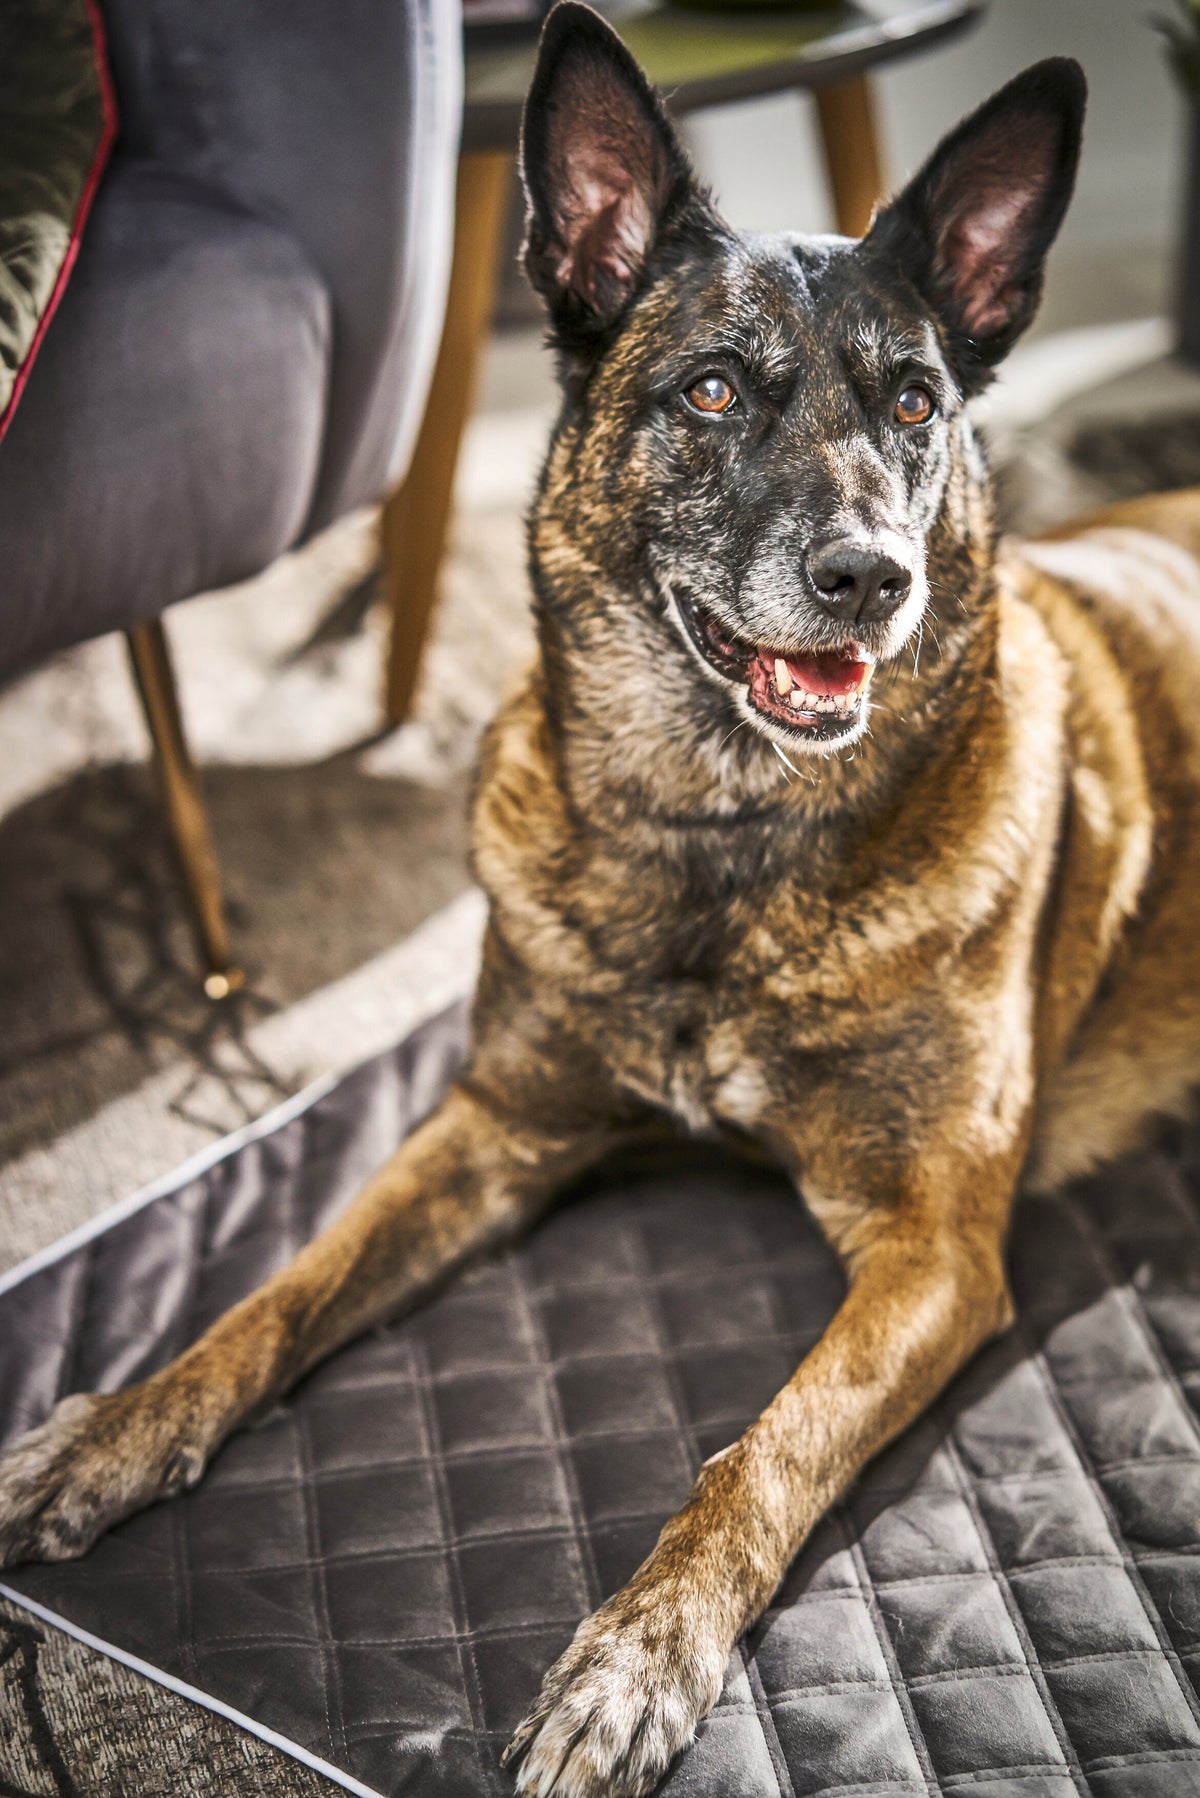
(1122, 594)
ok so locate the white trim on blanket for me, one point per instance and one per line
(191, 1169)
(332, 1030)
(451, 935)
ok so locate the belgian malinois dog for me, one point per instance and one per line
(919, 925)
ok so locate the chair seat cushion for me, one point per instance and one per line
(169, 440)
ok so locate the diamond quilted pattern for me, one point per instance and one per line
(1007, 1606)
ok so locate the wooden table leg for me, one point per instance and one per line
(846, 112)
(416, 517)
(186, 812)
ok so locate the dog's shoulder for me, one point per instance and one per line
(520, 814)
(1118, 594)
(1171, 517)
(530, 850)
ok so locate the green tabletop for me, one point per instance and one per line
(703, 58)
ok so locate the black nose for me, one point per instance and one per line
(854, 580)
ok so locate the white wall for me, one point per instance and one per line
(1114, 256)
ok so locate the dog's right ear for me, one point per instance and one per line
(602, 169)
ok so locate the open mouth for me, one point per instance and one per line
(817, 692)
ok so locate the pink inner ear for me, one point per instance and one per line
(977, 257)
(990, 216)
(605, 223)
(608, 180)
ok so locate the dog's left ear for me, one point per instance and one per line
(602, 169)
(972, 229)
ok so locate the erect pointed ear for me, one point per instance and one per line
(972, 229)
(602, 170)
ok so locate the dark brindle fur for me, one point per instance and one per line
(916, 965)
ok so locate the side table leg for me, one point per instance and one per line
(186, 812)
(416, 516)
(847, 116)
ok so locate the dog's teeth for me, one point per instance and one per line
(783, 677)
(796, 700)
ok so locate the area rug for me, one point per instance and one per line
(374, 1578)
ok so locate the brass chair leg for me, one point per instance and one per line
(186, 815)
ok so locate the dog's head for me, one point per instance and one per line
(763, 474)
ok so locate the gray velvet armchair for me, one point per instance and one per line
(244, 348)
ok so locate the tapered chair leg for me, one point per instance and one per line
(416, 517)
(850, 138)
(186, 815)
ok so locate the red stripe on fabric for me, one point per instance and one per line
(108, 106)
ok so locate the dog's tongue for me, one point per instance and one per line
(822, 672)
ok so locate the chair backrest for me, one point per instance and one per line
(338, 119)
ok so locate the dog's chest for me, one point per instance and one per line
(692, 1048)
(664, 1059)
(706, 1069)
(703, 1012)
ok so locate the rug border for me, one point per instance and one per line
(284, 1744)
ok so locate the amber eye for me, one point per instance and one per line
(711, 394)
(914, 406)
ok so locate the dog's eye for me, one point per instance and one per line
(711, 394)
(914, 406)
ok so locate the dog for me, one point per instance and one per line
(820, 822)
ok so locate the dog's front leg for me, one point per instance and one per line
(472, 1175)
(926, 1289)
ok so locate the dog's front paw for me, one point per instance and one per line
(622, 1701)
(97, 1457)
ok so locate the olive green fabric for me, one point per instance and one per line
(54, 129)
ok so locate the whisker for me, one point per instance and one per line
(891, 676)
(943, 588)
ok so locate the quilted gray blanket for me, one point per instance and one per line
(1008, 1605)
